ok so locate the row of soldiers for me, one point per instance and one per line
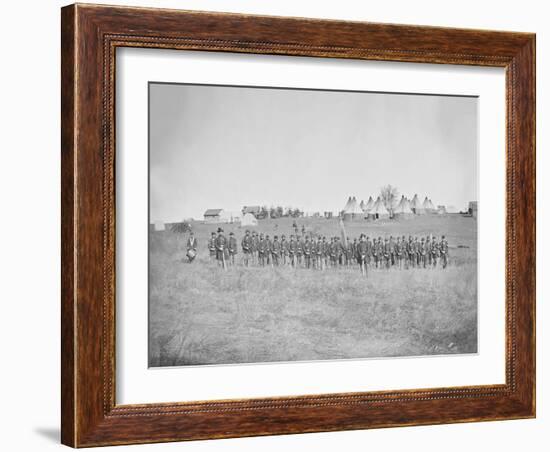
(321, 253)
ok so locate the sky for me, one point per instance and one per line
(227, 147)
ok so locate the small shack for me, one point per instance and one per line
(213, 215)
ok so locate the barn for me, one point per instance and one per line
(213, 215)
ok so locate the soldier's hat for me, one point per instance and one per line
(247, 231)
(220, 230)
(213, 233)
(442, 236)
(230, 233)
(422, 239)
(283, 236)
(274, 236)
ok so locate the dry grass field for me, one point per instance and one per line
(200, 314)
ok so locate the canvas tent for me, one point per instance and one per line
(352, 210)
(378, 211)
(368, 205)
(428, 206)
(403, 209)
(249, 220)
(415, 205)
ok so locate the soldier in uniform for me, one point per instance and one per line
(392, 250)
(275, 251)
(284, 250)
(221, 249)
(428, 244)
(299, 250)
(434, 252)
(262, 249)
(349, 253)
(399, 253)
(375, 252)
(362, 251)
(246, 245)
(416, 252)
(387, 253)
(319, 254)
(410, 252)
(232, 248)
(292, 249)
(307, 252)
(255, 244)
(268, 247)
(212, 246)
(422, 252)
(444, 251)
(326, 252)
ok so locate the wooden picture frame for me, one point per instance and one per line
(90, 35)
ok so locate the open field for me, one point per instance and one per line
(200, 314)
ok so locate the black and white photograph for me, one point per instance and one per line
(301, 225)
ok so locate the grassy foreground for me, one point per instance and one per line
(200, 314)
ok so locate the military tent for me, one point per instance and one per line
(249, 220)
(403, 209)
(353, 211)
(378, 211)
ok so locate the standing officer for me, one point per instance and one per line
(326, 252)
(212, 246)
(428, 251)
(246, 245)
(362, 251)
(349, 253)
(255, 251)
(319, 254)
(262, 249)
(268, 247)
(392, 250)
(275, 251)
(292, 249)
(284, 250)
(434, 252)
(232, 248)
(444, 251)
(299, 249)
(387, 253)
(399, 253)
(307, 252)
(422, 251)
(221, 249)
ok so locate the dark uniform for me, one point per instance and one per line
(308, 248)
(232, 248)
(387, 253)
(362, 251)
(275, 251)
(399, 250)
(422, 251)
(247, 245)
(319, 254)
(284, 250)
(299, 250)
(392, 250)
(212, 246)
(262, 250)
(268, 246)
(444, 251)
(255, 243)
(221, 248)
(434, 251)
(292, 250)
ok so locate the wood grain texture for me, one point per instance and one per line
(90, 36)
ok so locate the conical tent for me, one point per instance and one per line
(403, 210)
(431, 205)
(378, 210)
(362, 205)
(353, 210)
(346, 207)
(369, 205)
